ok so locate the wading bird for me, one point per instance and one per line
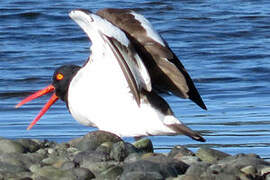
(116, 89)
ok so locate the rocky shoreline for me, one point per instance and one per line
(101, 155)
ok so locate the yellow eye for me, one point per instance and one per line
(59, 76)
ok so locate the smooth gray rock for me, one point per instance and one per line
(220, 176)
(111, 173)
(140, 175)
(189, 160)
(30, 145)
(68, 165)
(165, 162)
(82, 173)
(210, 155)
(10, 168)
(249, 170)
(119, 151)
(91, 156)
(96, 162)
(133, 157)
(22, 160)
(10, 146)
(92, 140)
(197, 169)
(144, 145)
(242, 160)
(159, 165)
(179, 151)
(53, 173)
(105, 148)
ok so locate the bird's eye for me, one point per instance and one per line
(59, 76)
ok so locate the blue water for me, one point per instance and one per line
(225, 46)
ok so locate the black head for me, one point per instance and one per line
(61, 79)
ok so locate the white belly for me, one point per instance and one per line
(99, 96)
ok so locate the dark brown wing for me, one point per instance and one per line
(166, 71)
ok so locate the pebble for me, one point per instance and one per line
(101, 155)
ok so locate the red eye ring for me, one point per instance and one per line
(59, 76)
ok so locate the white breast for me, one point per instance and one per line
(99, 96)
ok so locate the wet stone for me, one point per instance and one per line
(210, 155)
(92, 140)
(53, 173)
(119, 151)
(158, 164)
(242, 160)
(197, 169)
(68, 165)
(189, 160)
(132, 157)
(112, 158)
(105, 147)
(82, 173)
(249, 170)
(134, 175)
(111, 173)
(30, 145)
(179, 151)
(144, 145)
(9, 146)
(10, 168)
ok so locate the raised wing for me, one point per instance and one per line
(103, 33)
(166, 71)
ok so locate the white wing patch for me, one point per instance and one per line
(102, 33)
(151, 32)
(92, 23)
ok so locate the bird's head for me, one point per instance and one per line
(60, 83)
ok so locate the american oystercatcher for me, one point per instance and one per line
(116, 89)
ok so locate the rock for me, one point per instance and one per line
(92, 140)
(179, 151)
(68, 165)
(165, 162)
(242, 160)
(112, 173)
(132, 157)
(186, 177)
(119, 151)
(197, 169)
(10, 168)
(154, 166)
(189, 160)
(48, 161)
(210, 155)
(265, 170)
(96, 162)
(140, 175)
(9, 146)
(144, 145)
(82, 173)
(91, 156)
(30, 145)
(105, 147)
(249, 170)
(52, 173)
(221, 176)
(19, 159)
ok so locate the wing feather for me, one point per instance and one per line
(101, 32)
(166, 71)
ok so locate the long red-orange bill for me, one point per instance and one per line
(37, 94)
(45, 108)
